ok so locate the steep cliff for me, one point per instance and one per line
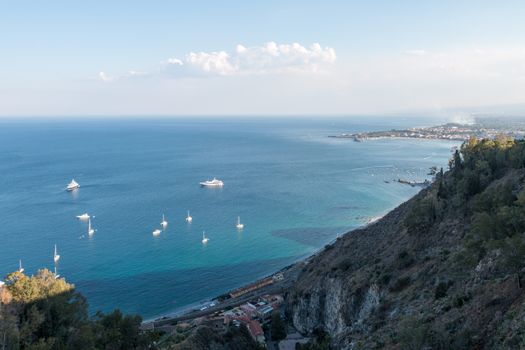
(441, 271)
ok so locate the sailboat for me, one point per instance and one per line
(239, 225)
(73, 185)
(56, 257)
(163, 223)
(189, 218)
(20, 268)
(56, 274)
(204, 238)
(90, 229)
(156, 232)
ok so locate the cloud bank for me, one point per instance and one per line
(270, 58)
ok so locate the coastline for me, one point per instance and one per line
(290, 273)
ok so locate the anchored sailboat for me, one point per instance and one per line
(73, 185)
(56, 274)
(163, 223)
(189, 218)
(20, 268)
(156, 232)
(204, 238)
(56, 257)
(239, 225)
(91, 230)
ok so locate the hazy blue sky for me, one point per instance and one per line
(273, 57)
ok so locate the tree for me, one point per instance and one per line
(514, 255)
(47, 313)
(278, 327)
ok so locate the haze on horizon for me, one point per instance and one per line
(274, 58)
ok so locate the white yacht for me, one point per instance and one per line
(212, 183)
(73, 185)
(84, 216)
(20, 268)
(204, 238)
(56, 257)
(239, 225)
(163, 223)
(91, 230)
(189, 218)
(156, 232)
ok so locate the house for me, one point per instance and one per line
(256, 331)
(249, 310)
(265, 312)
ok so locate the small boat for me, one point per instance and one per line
(156, 232)
(73, 185)
(56, 274)
(56, 257)
(163, 223)
(239, 225)
(212, 183)
(20, 268)
(91, 230)
(84, 216)
(204, 238)
(189, 218)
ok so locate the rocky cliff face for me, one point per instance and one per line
(411, 283)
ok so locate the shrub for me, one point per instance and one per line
(400, 284)
(404, 259)
(441, 290)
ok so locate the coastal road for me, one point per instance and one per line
(290, 274)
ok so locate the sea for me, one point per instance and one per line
(294, 188)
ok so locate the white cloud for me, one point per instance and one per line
(214, 62)
(104, 77)
(128, 75)
(270, 58)
(175, 61)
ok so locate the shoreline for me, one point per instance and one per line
(290, 273)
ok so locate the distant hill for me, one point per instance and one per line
(441, 271)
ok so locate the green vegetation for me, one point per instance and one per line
(400, 284)
(278, 327)
(486, 186)
(443, 271)
(43, 312)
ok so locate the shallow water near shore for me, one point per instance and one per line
(294, 188)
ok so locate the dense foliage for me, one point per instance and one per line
(45, 312)
(486, 185)
(484, 191)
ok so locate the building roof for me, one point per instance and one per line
(255, 328)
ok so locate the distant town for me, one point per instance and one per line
(482, 128)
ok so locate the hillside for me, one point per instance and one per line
(441, 271)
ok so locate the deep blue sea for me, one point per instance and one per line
(294, 188)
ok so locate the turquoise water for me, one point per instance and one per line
(294, 188)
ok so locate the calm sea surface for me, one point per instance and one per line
(294, 188)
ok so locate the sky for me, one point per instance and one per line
(170, 58)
